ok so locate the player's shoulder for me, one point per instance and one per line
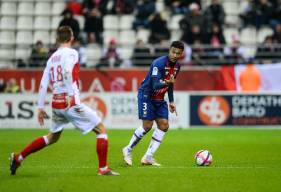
(70, 51)
(65, 51)
(71, 54)
(160, 61)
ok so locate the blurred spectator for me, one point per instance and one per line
(12, 87)
(258, 13)
(141, 54)
(191, 19)
(248, 15)
(111, 56)
(189, 2)
(195, 35)
(144, 9)
(93, 25)
(100, 5)
(82, 52)
(38, 55)
(264, 13)
(69, 20)
(276, 15)
(277, 33)
(21, 63)
(214, 14)
(216, 39)
(159, 29)
(267, 51)
(74, 6)
(235, 53)
(2, 85)
(197, 52)
(177, 6)
(123, 6)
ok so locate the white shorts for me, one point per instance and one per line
(81, 116)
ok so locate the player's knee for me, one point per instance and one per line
(164, 126)
(147, 125)
(53, 138)
(99, 129)
(147, 128)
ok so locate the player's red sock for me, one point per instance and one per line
(34, 146)
(102, 148)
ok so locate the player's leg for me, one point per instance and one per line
(35, 145)
(136, 137)
(146, 114)
(87, 120)
(102, 150)
(58, 123)
(139, 133)
(157, 138)
(158, 134)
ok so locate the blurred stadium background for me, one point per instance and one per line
(252, 27)
(232, 56)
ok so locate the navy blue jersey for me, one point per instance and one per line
(160, 70)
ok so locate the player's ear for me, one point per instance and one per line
(72, 39)
(182, 53)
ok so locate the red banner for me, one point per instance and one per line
(116, 80)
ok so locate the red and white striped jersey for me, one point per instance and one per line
(61, 71)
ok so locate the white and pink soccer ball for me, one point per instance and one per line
(203, 158)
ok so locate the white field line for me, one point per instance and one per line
(149, 167)
(207, 167)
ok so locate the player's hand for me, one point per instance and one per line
(171, 80)
(172, 108)
(41, 116)
(68, 102)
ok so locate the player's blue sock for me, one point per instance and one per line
(137, 136)
(156, 140)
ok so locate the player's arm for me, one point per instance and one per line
(157, 83)
(172, 105)
(42, 94)
(171, 93)
(156, 77)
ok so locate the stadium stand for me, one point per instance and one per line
(23, 22)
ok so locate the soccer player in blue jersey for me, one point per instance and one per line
(151, 104)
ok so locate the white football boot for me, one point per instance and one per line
(149, 160)
(127, 156)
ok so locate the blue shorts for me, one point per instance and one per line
(151, 110)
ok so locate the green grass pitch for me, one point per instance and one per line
(243, 160)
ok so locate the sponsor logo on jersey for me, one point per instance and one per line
(213, 110)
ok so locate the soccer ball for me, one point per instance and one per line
(203, 158)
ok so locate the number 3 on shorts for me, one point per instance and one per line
(144, 106)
